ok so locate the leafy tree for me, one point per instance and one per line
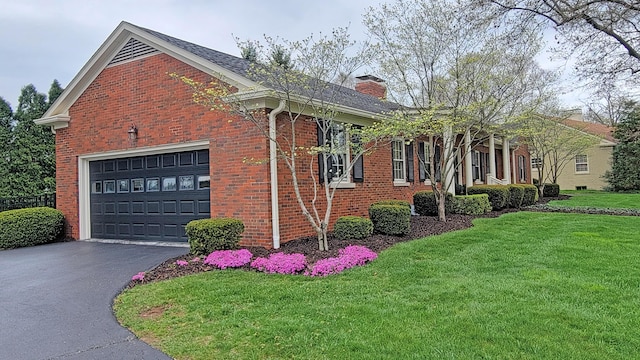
(604, 34)
(248, 51)
(54, 92)
(298, 74)
(453, 76)
(553, 144)
(625, 167)
(6, 118)
(32, 151)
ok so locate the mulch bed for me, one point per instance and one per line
(421, 226)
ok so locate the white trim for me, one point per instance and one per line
(400, 183)
(56, 122)
(342, 185)
(273, 167)
(84, 197)
(576, 163)
(402, 159)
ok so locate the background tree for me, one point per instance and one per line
(625, 167)
(602, 34)
(6, 118)
(552, 144)
(298, 74)
(608, 105)
(30, 155)
(452, 76)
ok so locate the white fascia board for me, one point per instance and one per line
(150, 150)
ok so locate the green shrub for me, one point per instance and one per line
(516, 194)
(393, 202)
(498, 194)
(425, 203)
(530, 195)
(551, 190)
(352, 227)
(390, 219)
(29, 227)
(208, 235)
(471, 204)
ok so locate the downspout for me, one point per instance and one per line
(273, 169)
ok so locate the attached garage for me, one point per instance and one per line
(150, 197)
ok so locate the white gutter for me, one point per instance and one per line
(273, 167)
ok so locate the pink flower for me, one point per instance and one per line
(280, 263)
(353, 255)
(182, 263)
(195, 259)
(223, 259)
(138, 277)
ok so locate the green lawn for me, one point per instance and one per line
(600, 199)
(522, 286)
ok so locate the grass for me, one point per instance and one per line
(522, 286)
(600, 199)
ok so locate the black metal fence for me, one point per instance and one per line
(21, 202)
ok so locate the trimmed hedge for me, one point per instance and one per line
(390, 219)
(29, 227)
(425, 203)
(392, 202)
(551, 190)
(209, 235)
(498, 194)
(471, 204)
(352, 227)
(516, 195)
(530, 195)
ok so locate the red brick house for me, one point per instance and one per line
(137, 158)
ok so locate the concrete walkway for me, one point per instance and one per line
(55, 300)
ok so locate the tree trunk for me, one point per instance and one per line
(441, 206)
(323, 244)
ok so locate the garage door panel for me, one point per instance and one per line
(130, 198)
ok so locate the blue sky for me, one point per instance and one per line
(42, 40)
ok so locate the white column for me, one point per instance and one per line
(449, 163)
(468, 174)
(506, 161)
(492, 156)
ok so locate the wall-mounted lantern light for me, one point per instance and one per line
(133, 133)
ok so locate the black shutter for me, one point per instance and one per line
(393, 175)
(436, 158)
(357, 174)
(321, 142)
(421, 161)
(408, 152)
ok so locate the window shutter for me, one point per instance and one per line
(321, 163)
(422, 173)
(436, 158)
(408, 152)
(357, 174)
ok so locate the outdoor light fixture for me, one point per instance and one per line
(133, 133)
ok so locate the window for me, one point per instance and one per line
(582, 164)
(339, 152)
(522, 171)
(153, 184)
(398, 159)
(137, 185)
(96, 187)
(123, 185)
(109, 186)
(536, 162)
(169, 184)
(186, 182)
(204, 182)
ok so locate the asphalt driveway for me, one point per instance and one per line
(55, 300)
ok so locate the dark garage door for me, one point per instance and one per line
(149, 197)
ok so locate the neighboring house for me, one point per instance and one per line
(586, 171)
(137, 159)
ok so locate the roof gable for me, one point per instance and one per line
(128, 42)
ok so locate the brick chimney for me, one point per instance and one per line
(371, 85)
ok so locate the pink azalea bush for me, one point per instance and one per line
(182, 263)
(353, 255)
(223, 259)
(280, 263)
(138, 277)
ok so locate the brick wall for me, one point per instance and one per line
(142, 93)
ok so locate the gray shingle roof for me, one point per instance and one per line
(330, 93)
